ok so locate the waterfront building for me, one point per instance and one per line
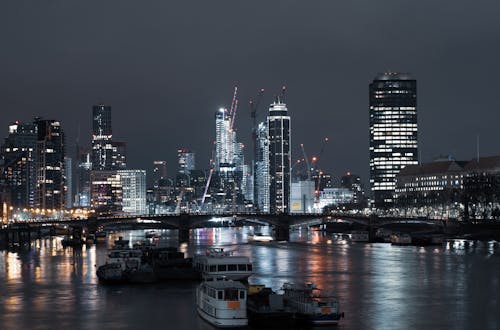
(106, 191)
(102, 147)
(186, 161)
(334, 197)
(302, 196)
(18, 154)
(278, 132)
(49, 192)
(133, 184)
(393, 133)
(261, 177)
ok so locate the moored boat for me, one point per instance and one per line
(400, 239)
(360, 236)
(216, 262)
(311, 306)
(222, 303)
(268, 309)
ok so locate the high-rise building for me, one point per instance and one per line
(223, 139)
(49, 165)
(186, 161)
(261, 178)
(134, 191)
(119, 155)
(82, 182)
(393, 133)
(102, 148)
(19, 165)
(353, 183)
(159, 171)
(106, 191)
(278, 128)
(68, 188)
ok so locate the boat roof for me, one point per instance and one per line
(225, 284)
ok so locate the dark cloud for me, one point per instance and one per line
(166, 66)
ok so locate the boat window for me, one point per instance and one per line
(231, 267)
(213, 268)
(249, 267)
(242, 267)
(242, 294)
(219, 295)
(222, 268)
(231, 294)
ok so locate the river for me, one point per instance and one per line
(380, 286)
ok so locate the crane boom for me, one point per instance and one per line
(206, 189)
(307, 162)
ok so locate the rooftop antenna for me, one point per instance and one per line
(477, 148)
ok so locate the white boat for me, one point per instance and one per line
(360, 236)
(121, 260)
(222, 303)
(400, 239)
(216, 263)
(311, 305)
(259, 237)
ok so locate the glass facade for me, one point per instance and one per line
(393, 133)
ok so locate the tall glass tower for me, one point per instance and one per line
(278, 132)
(102, 148)
(393, 133)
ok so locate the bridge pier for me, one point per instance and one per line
(183, 231)
(282, 228)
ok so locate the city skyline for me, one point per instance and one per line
(159, 81)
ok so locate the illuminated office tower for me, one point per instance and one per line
(393, 133)
(278, 131)
(133, 184)
(49, 193)
(261, 178)
(223, 140)
(102, 148)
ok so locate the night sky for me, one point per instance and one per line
(165, 67)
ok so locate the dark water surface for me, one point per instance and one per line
(456, 286)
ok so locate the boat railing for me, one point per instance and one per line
(217, 252)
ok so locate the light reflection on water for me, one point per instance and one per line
(380, 286)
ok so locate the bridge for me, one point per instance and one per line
(184, 222)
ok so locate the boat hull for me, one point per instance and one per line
(220, 322)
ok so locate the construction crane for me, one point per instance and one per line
(206, 189)
(307, 162)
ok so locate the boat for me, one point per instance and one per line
(216, 262)
(400, 239)
(360, 236)
(152, 234)
(120, 263)
(311, 306)
(269, 309)
(170, 264)
(90, 239)
(100, 237)
(259, 237)
(222, 302)
(72, 241)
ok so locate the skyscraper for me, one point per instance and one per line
(19, 169)
(134, 191)
(278, 131)
(223, 140)
(261, 179)
(102, 148)
(186, 161)
(393, 133)
(49, 164)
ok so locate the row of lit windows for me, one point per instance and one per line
(392, 108)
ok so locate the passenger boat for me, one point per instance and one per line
(222, 302)
(152, 234)
(269, 309)
(360, 236)
(170, 264)
(100, 237)
(120, 262)
(216, 262)
(311, 305)
(400, 239)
